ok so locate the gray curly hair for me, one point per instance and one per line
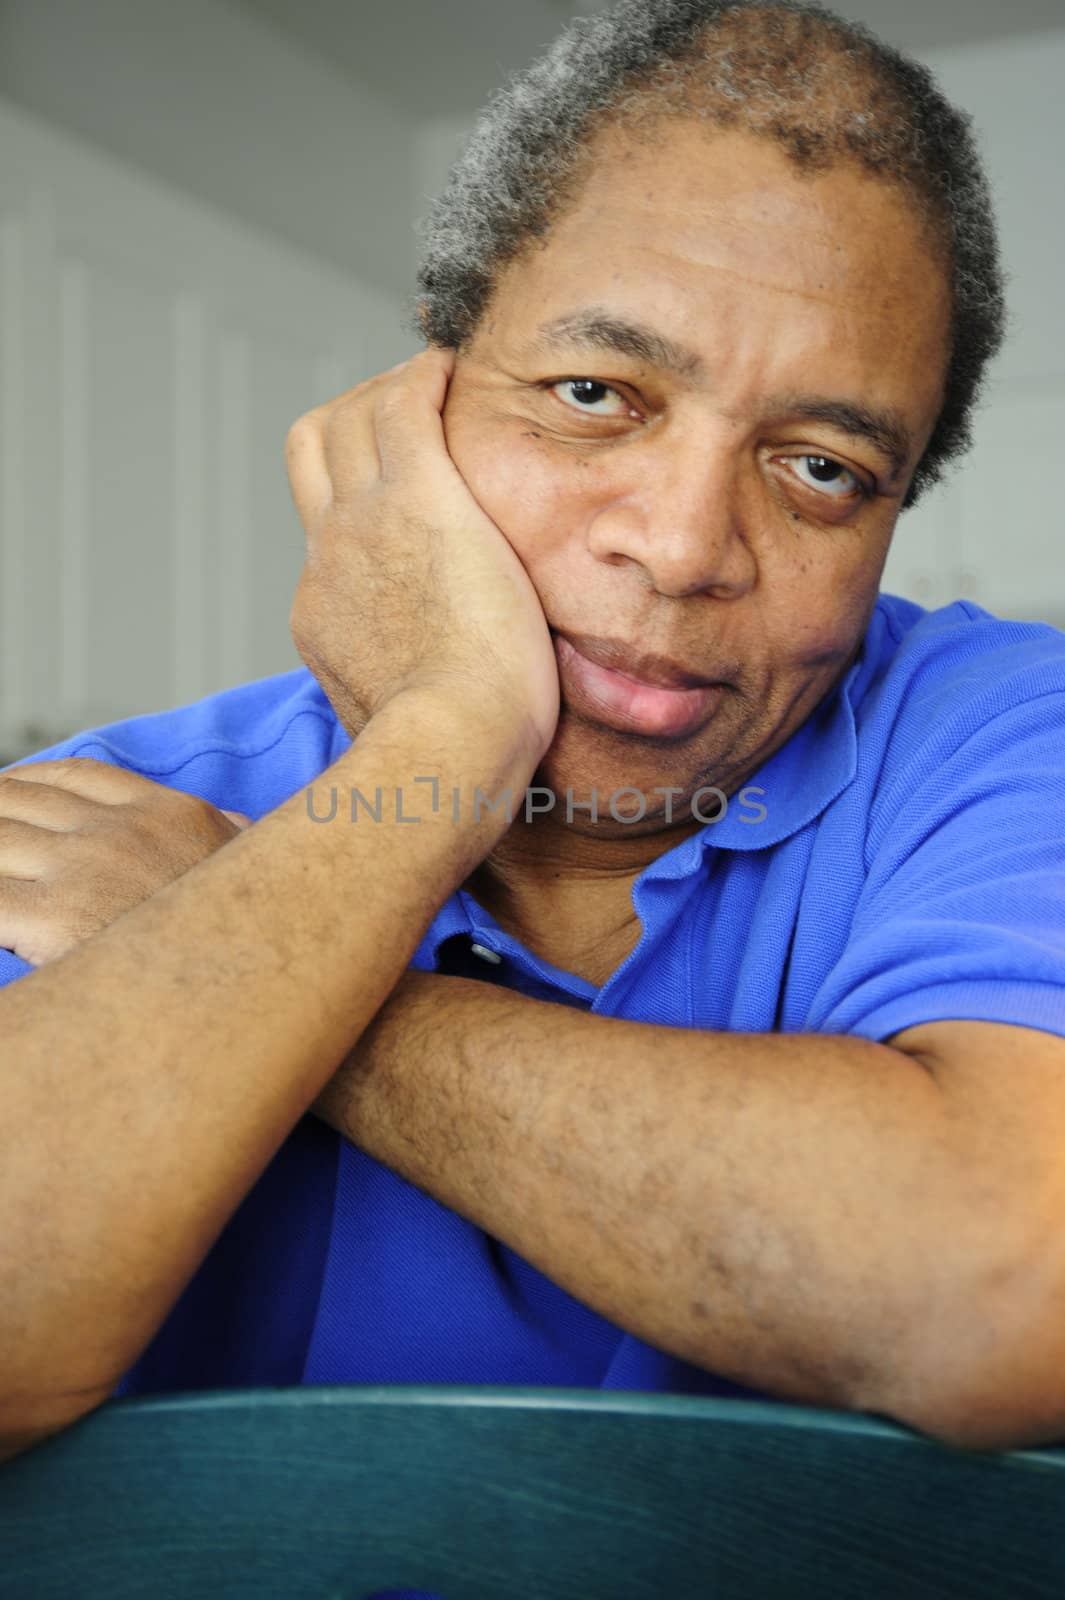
(826, 90)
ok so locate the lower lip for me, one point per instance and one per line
(628, 705)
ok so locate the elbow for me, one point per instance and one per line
(1007, 1412)
(22, 1427)
(993, 1420)
(15, 1441)
(1000, 1383)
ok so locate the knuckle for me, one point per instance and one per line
(52, 772)
(203, 815)
(380, 382)
(34, 770)
(394, 400)
(350, 405)
(299, 620)
(302, 434)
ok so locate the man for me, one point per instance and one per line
(765, 1089)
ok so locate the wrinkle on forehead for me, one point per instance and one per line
(749, 279)
(833, 227)
(814, 263)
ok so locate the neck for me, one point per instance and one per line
(541, 866)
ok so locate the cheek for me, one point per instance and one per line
(514, 480)
(821, 600)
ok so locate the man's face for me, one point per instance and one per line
(703, 515)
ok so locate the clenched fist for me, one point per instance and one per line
(408, 583)
(81, 842)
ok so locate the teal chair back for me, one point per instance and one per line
(543, 1494)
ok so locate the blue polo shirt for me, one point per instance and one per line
(901, 859)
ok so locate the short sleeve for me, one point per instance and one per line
(962, 913)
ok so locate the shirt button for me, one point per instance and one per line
(485, 954)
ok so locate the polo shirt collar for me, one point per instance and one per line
(797, 783)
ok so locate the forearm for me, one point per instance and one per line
(791, 1211)
(150, 1074)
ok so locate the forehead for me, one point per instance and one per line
(717, 238)
(731, 208)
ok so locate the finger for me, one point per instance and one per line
(24, 850)
(20, 916)
(308, 476)
(330, 452)
(349, 437)
(237, 816)
(358, 427)
(46, 805)
(409, 414)
(82, 775)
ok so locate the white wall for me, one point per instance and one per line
(152, 355)
(438, 142)
(203, 232)
(993, 532)
(210, 98)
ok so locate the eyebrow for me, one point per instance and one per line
(597, 328)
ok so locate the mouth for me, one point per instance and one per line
(607, 681)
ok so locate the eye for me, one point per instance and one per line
(830, 477)
(587, 394)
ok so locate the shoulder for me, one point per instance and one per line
(959, 708)
(246, 748)
(945, 674)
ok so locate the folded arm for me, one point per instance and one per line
(149, 1073)
(841, 1222)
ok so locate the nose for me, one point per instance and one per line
(681, 521)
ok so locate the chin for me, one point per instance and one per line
(583, 758)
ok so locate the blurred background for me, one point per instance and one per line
(207, 219)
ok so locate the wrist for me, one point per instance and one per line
(426, 758)
(466, 729)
